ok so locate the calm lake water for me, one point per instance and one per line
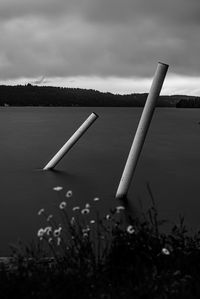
(29, 137)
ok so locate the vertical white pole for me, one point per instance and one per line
(141, 131)
(73, 139)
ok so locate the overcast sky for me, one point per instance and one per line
(109, 45)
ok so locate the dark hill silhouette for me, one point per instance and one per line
(32, 95)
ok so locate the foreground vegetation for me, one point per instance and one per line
(109, 256)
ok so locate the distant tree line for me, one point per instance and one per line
(189, 103)
(32, 95)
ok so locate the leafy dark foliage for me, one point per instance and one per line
(136, 261)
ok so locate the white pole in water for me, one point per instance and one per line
(73, 139)
(141, 131)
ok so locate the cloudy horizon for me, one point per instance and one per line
(107, 45)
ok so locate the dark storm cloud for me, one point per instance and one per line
(98, 37)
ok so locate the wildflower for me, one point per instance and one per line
(40, 211)
(87, 206)
(85, 230)
(58, 241)
(85, 211)
(75, 208)
(69, 193)
(62, 205)
(92, 221)
(165, 251)
(108, 217)
(120, 208)
(72, 221)
(130, 229)
(57, 232)
(49, 217)
(47, 230)
(40, 233)
(96, 199)
(57, 188)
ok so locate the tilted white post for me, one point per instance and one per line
(141, 131)
(73, 139)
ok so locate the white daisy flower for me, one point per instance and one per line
(49, 217)
(96, 199)
(69, 193)
(85, 211)
(120, 208)
(62, 205)
(40, 211)
(40, 232)
(57, 232)
(72, 221)
(47, 230)
(85, 230)
(57, 188)
(130, 229)
(75, 208)
(165, 251)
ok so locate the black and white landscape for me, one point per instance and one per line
(63, 233)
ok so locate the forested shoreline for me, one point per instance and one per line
(32, 95)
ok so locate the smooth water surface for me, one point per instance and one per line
(29, 137)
